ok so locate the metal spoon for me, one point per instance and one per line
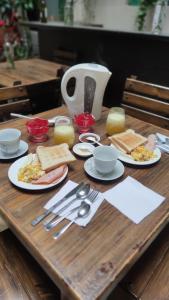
(93, 139)
(51, 121)
(83, 212)
(80, 194)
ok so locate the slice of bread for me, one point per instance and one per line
(54, 156)
(127, 141)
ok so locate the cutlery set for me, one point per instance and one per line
(81, 193)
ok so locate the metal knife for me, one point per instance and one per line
(38, 219)
(55, 220)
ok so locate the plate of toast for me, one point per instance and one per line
(136, 149)
(41, 170)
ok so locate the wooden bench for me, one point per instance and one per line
(14, 99)
(21, 276)
(146, 101)
(149, 278)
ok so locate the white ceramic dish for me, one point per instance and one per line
(126, 159)
(23, 148)
(82, 137)
(83, 149)
(13, 177)
(116, 173)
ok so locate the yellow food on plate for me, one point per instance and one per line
(31, 170)
(141, 153)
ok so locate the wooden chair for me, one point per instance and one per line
(149, 278)
(14, 99)
(146, 101)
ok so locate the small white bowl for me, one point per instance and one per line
(83, 149)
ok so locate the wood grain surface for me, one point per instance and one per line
(86, 263)
(147, 101)
(29, 71)
(21, 276)
(148, 279)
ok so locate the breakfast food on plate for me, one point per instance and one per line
(151, 142)
(134, 145)
(31, 170)
(51, 176)
(141, 153)
(127, 141)
(47, 166)
(54, 156)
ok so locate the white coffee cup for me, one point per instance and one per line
(105, 158)
(9, 140)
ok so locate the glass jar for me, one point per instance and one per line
(115, 121)
(64, 131)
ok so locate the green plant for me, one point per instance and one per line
(144, 6)
(7, 7)
(15, 35)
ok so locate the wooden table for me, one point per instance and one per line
(42, 79)
(86, 263)
(29, 71)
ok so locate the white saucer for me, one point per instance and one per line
(83, 149)
(23, 147)
(116, 173)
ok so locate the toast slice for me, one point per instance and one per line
(127, 141)
(54, 156)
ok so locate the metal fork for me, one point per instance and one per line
(89, 200)
(56, 220)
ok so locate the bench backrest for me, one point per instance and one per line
(13, 99)
(146, 101)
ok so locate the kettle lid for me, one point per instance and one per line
(90, 66)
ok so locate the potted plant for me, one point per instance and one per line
(8, 7)
(144, 7)
(16, 40)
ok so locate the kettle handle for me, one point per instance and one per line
(66, 77)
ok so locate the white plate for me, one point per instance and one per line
(82, 137)
(125, 158)
(116, 173)
(83, 149)
(23, 148)
(13, 177)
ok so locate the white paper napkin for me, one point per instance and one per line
(163, 147)
(63, 191)
(133, 199)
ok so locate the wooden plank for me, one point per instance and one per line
(140, 277)
(145, 103)
(147, 116)
(3, 224)
(21, 276)
(13, 92)
(158, 287)
(87, 263)
(16, 106)
(147, 88)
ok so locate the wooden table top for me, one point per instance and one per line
(86, 263)
(29, 71)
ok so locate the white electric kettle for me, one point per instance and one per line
(91, 80)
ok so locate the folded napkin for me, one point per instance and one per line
(162, 137)
(133, 199)
(63, 191)
(164, 147)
